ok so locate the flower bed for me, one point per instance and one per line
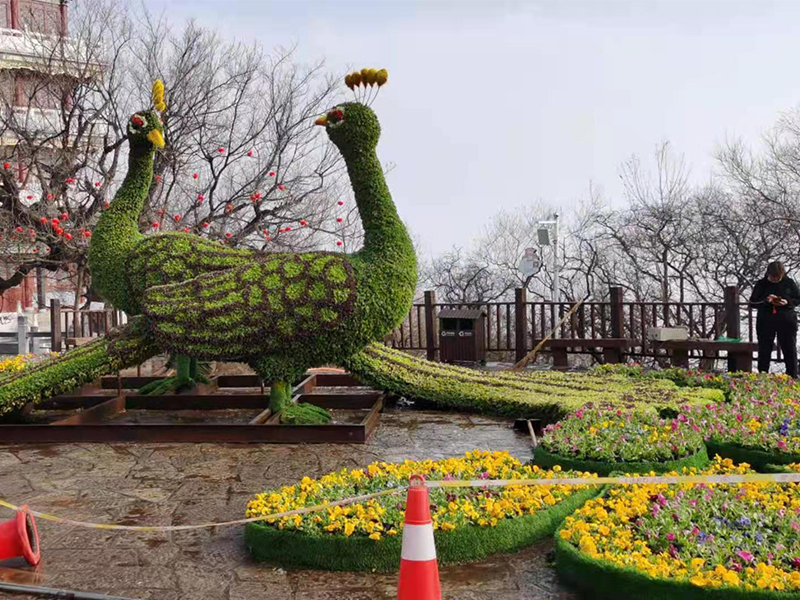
(604, 439)
(756, 431)
(689, 541)
(469, 523)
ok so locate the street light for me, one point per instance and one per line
(548, 236)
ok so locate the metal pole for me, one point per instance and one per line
(556, 274)
(43, 592)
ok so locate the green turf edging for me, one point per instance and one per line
(755, 457)
(603, 581)
(547, 460)
(340, 553)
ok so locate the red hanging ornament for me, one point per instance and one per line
(70, 181)
(195, 175)
(200, 197)
(64, 216)
(160, 212)
(206, 225)
(106, 204)
(55, 222)
(87, 233)
(186, 229)
(221, 150)
(272, 173)
(338, 242)
(288, 229)
(43, 220)
(340, 203)
(177, 218)
(249, 153)
(228, 234)
(68, 236)
(59, 231)
(155, 225)
(30, 197)
(50, 196)
(229, 207)
(338, 219)
(303, 223)
(281, 187)
(6, 165)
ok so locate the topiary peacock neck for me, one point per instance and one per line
(117, 231)
(387, 264)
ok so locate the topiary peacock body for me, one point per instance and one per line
(280, 313)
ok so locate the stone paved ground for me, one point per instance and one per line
(192, 483)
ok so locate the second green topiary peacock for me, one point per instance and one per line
(280, 313)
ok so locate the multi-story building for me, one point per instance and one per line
(27, 29)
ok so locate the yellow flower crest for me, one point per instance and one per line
(158, 95)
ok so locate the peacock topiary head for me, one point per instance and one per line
(145, 128)
(353, 126)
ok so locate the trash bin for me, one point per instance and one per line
(462, 335)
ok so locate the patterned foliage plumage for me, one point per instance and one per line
(273, 304)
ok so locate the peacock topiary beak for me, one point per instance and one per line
(323, 120)
(155, 138)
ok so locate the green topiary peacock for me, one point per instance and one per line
(280, 313)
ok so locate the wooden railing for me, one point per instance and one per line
(615, 318)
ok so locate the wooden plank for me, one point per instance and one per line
(182, 433)
(370, 423)
(72, 402)
(96, 414)
(337, 380)
(341, 401)
(305, 386)
(197, 402)
(237, 381)
(261, 417)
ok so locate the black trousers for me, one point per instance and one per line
(782, 324)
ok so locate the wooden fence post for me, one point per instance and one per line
(430, 325)
(520, 324)
(22, 334)
(732, 323)
(614, 355)
(55, 325)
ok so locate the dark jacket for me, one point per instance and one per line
(786, 288)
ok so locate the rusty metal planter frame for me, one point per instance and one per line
(89, 424)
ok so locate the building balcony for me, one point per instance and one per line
(42, 124)
(46, 53)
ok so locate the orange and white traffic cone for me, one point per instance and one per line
(419, 571)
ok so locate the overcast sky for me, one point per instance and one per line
(497, 104)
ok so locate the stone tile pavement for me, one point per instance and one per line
(156, 484)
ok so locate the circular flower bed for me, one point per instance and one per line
(605, 439)
(688, 541)
(469, 523)
(760, 430)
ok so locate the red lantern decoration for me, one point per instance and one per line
(229, 207)
(70, 181)
(206, 225)
(303, 223)
(228, 234)
(186, 229)
(195, 175)
(59, 231)
(200, 197)
(43, 220)
(221, 150)
(106, 204)
(155, 225)
(338, 242)
(250, 153)
(64, 216)
(281, 187)
(30, 197)
(272, 173)
(177, 218)
(50, 196)
(55, 222)
(338, 219)
(340, 203)
(6, 165)
(288, 229)
(87, 233)
(96, 184)
(68, 236)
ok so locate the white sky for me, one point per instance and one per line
(496, 104)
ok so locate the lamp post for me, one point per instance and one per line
(548, 236)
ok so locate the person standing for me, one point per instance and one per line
(776, 296)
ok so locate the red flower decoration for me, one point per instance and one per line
(50, 196)
(87, 233)
(30, 197)
(107, 204)
(155, 225)
(6, 165)
(272, 173)
(228, 234)
(340, 203)
(195, 175)
(68, 236)
(338, 219)
(229, 207)
(338, 242)
(55, 222)
(43, 220)
(59, 231)
(64, 216)
(303, 223)
(96, 184)
(206, 225)
(158, 177)
(250, 153)
(186, 229)
(281, 187)
(160, 212)
(220, 149)
(200, 197)
(177, 218)
(70, 181)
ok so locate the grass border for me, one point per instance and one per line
(757, 458)
(605, 581)
(546, 460)
(292, 549)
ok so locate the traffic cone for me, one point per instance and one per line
(419, 571)
(19, 537)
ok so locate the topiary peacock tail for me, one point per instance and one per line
(281, 313)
